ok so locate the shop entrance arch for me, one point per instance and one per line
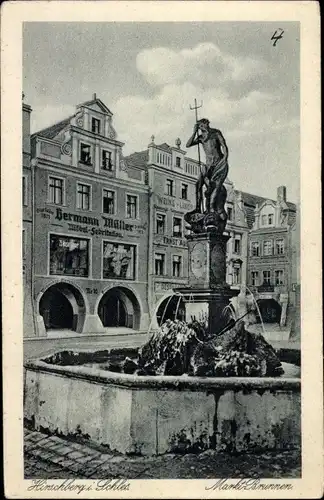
(172, 308)
(270, 310)
(62, 308)
(119, 307)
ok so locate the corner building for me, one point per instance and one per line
(91, 228)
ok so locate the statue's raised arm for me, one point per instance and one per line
(194, 139)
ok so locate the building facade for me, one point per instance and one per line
(171, 177)
(294, 312)
(270, 258)
(27, 221)
(89, 269)
(104, 236)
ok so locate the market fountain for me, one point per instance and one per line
(205, 382)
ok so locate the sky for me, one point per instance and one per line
(148, 75)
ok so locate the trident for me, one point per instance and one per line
(195, 107)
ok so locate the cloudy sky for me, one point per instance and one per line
(148, 74)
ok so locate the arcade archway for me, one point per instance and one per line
(62, 308)
(119, 307)
(171, 308)
(270, 311)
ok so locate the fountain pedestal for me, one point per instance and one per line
(208, 293)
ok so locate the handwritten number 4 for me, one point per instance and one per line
(276, 37)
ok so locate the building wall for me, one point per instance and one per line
(27, 222)
(294, 313)
(111, 234)
(271, 226)
(161, 169)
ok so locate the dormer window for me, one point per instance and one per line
(267, 219)
(95, 125)
(85, 153)
(178, 161)
(106, 162)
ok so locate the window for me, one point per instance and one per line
(176, 266)
(83, 196)
(267, 247)
(255, 278)
(108, 202)
(106, 162)
(131, 207)
(280, 247)
(69, 256)
(55, 188)
(236, 275)
(85, 153)
(237, 246)
(267, 220)
(95, 125)
(119, 261)
(184, 191)
(24, 191)
(160, 224)
(159, 264)
(255, 249)
(177, 227)
(229, 213)
(266, 278)
(169, 187)
(279, 277)
(178, 161)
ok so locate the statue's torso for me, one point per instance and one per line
(212, 147)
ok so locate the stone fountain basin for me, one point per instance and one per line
(159, 414)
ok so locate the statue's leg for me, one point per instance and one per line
(214, 195)
(207, 196)
(199, 186)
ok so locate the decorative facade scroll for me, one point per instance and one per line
(66, 147)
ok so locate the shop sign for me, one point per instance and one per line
(170, 201)
(164, 286)
(45, 213)
(170, 240)
(103, 226)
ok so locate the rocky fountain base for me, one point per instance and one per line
(163, 405)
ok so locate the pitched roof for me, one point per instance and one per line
(96, 101)
(250, 201)
(165, 147)
(138, 159)
(53, 130)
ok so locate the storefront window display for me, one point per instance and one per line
(69, 256)
(118, 261)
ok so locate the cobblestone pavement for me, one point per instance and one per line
(51, 457)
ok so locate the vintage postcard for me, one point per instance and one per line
(161, 231)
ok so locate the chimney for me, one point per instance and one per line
(94, 97)
(282, 193)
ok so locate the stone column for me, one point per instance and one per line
(208, 293)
